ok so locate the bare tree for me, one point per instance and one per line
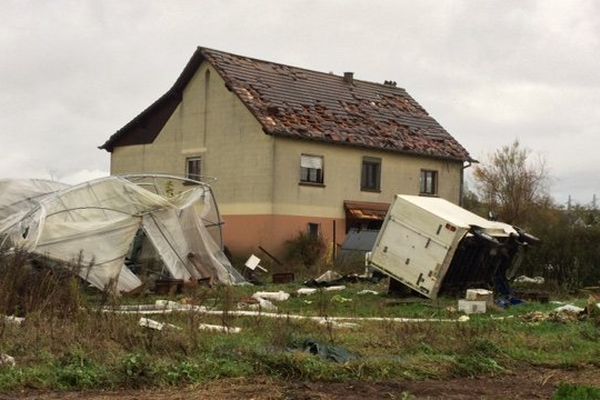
(512, 184)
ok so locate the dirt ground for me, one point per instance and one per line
(531, 384)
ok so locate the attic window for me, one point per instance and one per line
(311, 169)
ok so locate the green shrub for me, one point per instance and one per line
(305, 249)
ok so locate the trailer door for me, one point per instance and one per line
(411, 255)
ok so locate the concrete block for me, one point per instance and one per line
(472, 306)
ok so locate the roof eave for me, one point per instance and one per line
(286, 135)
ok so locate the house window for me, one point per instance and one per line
(371, 174)
(193, 168)
(311, 169)
(428, 182)
(313, 230)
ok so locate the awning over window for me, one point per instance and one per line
(366, 210)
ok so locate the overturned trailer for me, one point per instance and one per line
(436, 247)
(103, 225)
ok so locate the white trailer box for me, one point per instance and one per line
(420, 236)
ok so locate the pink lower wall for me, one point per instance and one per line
(244, 233)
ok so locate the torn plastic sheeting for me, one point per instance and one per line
(327, 352)
(96, 222)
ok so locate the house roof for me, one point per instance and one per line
(303, 104)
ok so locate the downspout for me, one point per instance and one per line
(462, 181)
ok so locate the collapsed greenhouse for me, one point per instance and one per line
(111, 227)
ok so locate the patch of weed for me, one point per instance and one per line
(576, 392)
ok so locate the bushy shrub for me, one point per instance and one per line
(305, 249)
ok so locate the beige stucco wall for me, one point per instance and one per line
(342, 173)
(213, 123)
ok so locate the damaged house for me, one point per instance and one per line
(292, 149)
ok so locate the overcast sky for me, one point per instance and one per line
(73, 72)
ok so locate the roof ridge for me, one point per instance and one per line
(202, 48)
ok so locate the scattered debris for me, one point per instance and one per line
(152, 309)
(219, 328)
(253, 262)
(167, 304)
(306, 291)
(472, 306)
(152, 324)
(11, 319)
(339, 299)
(535, 317)
(7, 361)
(480, 295)
(327, 352)
(537, 280)
(367, 291)
(337, 324)
(570, 308)
(507, 301)
(561, 317)
(159, 326)
(328, 276)
(262, 304)
(567, 313)
(335, 288)
(274, 296)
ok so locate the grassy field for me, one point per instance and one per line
(69, 344)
